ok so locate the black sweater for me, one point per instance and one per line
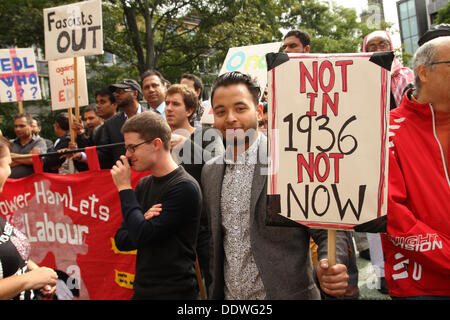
(165, 263)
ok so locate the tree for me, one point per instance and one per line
(177, 35)
(332, 30)
(443, 14)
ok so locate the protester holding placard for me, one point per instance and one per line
(19, 276)
(251, 260)
(418, 239)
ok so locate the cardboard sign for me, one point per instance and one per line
(250, 60)
(73, 30)
(328, 143)
(62, 83)
(19, 79)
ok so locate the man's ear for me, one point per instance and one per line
(157, 144)
(307, 48)
(259, 112)
(190, 112)
(423, 73)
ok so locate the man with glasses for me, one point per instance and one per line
(128, 93)
(417, 245)
(161, 218)
(378, 41)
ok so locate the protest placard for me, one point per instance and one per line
(19, 79)
(330, 115)
(250, 60)
(73, 30)
(62, 83)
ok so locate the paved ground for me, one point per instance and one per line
(367, 282)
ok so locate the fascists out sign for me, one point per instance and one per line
(70, 222)
(328, 143)
(73, 30)
(18, 75)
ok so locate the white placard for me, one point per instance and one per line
(73, 30)
(328, 143)
(19, 79)
(62, 83)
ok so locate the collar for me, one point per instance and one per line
(139, 110)
(161, 109)
(17, 140)
(249, 157)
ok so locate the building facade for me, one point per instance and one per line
(415, 18)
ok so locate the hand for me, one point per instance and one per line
(333, 280)
(121, 174)
(154, 211)
(42, 277)
(77, 126)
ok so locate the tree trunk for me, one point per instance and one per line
(130, 15)
(150, 37)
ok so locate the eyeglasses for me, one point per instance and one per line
(131, 148)
(382, 46)
(438, 62)
(120, 91)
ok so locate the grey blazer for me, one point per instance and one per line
(282, 254)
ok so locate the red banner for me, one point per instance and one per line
(70, 221)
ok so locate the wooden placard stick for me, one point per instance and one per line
(20, 104)
(331, 247)
(75, 83)
(72, 134)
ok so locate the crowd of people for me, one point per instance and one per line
(206, 199)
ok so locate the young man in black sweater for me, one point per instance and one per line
(165, 263)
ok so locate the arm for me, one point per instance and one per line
(35, 279)
(177, 207)
(402, 222)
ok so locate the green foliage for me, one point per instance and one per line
(443, 14)
(178, 36)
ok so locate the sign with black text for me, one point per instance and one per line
(73, 30)
(328, 143)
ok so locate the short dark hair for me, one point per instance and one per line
(149, 73)
(198, 84)
(302, 35)
(62, 119)
(91, 107)
(190, 98)
(25, 115)
(236, 77)
(149, 125)
(38, 122)
(107, 93)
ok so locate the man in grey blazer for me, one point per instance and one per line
(250, 260)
